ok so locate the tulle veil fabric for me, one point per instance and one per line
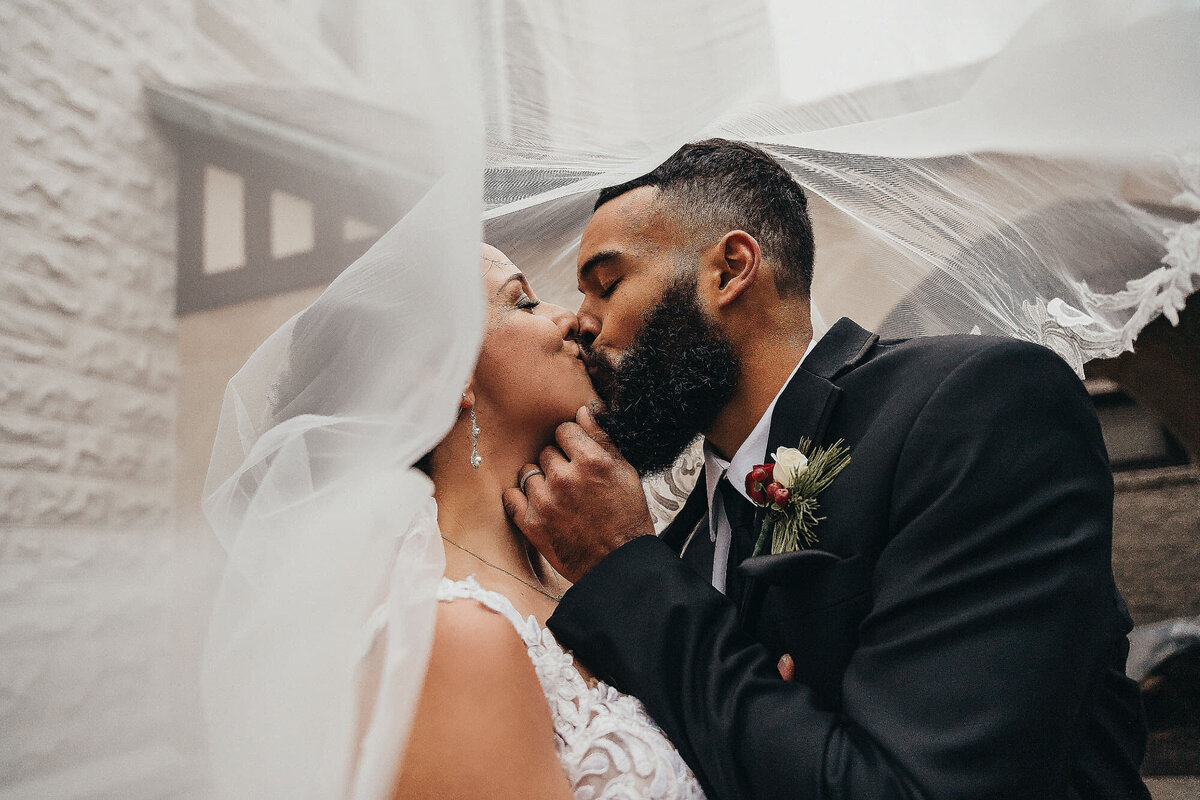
(323, 619)
(1046, 190)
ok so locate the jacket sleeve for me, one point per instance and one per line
(993, 612)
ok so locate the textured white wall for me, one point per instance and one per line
(88, 373)
(99, 638)
(87, 334)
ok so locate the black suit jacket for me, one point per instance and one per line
(956, 631)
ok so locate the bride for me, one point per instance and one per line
(495, 706)
(483, 720)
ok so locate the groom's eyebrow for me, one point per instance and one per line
(590, 265)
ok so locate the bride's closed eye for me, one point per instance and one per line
(527, 303)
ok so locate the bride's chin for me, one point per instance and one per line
(571, 404)
(579, 392)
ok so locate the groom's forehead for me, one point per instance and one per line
(629, 223)
(629, 211)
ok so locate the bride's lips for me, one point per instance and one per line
(588, 365)
(579, 356)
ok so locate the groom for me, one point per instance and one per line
(955, 629)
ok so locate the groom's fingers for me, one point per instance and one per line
(589, 425)
(522, 508)
(581, 437)
(786, 667)
(551, 460)
(516, 499)
(573, 440)
(516, 505)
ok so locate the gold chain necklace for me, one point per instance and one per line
(539, 589)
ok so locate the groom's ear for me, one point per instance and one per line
(737, 261)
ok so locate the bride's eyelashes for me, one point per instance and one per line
(527, 303)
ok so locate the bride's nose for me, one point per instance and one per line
(566, 320)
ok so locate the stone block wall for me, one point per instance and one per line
(88, 376)
(87, 262)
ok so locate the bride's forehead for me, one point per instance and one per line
(494, 265)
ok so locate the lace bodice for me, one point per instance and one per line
(606, 742)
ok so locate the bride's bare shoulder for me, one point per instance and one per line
(467, 627)
(482, 718)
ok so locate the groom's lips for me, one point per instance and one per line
(587, 362)
(600, 377)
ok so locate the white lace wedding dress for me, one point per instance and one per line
(606, 742)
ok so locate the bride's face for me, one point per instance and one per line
(529, 371)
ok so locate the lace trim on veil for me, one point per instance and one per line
(667, 492)
(1078, 336)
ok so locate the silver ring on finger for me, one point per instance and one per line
(527, 476)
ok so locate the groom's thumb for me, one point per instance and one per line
(587, 421)
(515, 505)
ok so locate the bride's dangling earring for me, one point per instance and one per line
(476, 459)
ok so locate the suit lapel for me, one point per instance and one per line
(804, 409)
(807, 402)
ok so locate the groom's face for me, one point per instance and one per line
(661, 363)
(625, 264)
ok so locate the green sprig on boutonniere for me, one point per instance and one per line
(787, 490)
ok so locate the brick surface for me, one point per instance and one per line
(1156, 544)
(88, 376)
(88, 370)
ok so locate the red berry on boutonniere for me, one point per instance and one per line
(756, 480)
(754, 490)
(789, 503)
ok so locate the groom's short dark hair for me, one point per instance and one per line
(734, 186)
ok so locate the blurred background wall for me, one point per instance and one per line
(92, 399)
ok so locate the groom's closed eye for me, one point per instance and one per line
(589, 272)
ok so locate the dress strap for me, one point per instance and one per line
(469, 588)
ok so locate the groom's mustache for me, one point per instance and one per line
(601, 367)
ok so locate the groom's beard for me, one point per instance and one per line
(670, 384)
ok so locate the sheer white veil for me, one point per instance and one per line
(324, 616)
(323, 620)
(1046, 191)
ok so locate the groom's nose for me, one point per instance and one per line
(589, 325)
(565, 319)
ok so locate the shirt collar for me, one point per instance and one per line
(752, 452)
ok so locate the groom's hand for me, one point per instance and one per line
(587, 503)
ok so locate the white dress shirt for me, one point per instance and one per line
(752, 452)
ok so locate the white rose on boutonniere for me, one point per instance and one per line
(789, 463)
(787, 490)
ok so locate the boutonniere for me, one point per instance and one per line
(787, 491)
